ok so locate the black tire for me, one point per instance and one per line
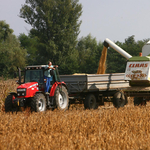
(61, 98)
(119, 99)
(90, 102)
(126, 100)
(38, 103)
(139, 101)
(8, 103)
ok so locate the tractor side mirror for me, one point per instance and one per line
(19, 71)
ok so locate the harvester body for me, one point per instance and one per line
(138, 67)
(146, 49)
(137, 73)
(137, 70)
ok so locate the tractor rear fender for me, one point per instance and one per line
(55, 85)
(53, 88)
(64, 84)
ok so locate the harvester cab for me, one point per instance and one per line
(31, 93)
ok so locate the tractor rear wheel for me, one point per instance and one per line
(8, 103)
(61, 98)
(90, 102)
(38, 103)
(119, 99)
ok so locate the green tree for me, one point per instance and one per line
(133, 47)
(56, 24)
(31, 45)
(89, 54)
(115, 62)
(11, 54)
(4, 31)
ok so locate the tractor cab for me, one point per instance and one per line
(36, 74)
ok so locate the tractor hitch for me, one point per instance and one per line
(19, 102)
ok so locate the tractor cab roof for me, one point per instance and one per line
(37, 67)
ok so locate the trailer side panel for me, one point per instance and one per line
(94, 82)
(106, 81)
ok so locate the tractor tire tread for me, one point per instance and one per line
(8, 104)
(34, 102)
(64, 90)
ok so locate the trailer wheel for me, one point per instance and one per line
(139, 101)
(38, 103)
(90, 102)
(8, 103)
(119, 99)
(61, 98)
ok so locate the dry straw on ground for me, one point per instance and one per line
(6, 86)
(125, 128)
(102, 129)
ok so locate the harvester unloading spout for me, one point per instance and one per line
(109, 43)
(102, 63)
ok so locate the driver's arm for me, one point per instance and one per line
(55, 66)
(49, 68)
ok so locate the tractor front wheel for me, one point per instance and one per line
(38, 103)
(61, 98)
(8, 103)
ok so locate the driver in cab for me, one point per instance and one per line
(48, 76)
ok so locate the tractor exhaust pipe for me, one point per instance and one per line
(19, 72)
(109, 43)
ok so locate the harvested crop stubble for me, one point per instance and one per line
(102, 62)
(124, 128)
(6, 86)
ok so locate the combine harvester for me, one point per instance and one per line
(95, 89)
(137, 73)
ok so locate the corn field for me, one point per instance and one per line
(105, 128)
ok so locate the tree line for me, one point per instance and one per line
(54, 36)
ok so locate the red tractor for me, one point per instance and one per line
(31, 93)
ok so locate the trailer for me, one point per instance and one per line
(95, 89)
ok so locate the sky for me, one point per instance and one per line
(113, 19)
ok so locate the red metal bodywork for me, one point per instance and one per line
(53, 88)
(31, 89)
